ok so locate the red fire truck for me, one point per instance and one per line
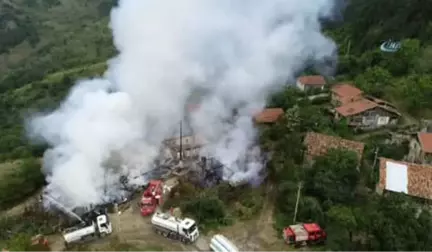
(304, 234)
(151, 198)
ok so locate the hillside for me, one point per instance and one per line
(43, 36)
(52, 43)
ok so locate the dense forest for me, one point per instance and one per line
(37, 67)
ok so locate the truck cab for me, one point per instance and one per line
(189, 229)
(104, 225)
(148, 206)
(303, 234)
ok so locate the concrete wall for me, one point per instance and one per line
(300, 86)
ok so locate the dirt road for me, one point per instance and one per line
(257, 234)
(130, 227)
(133, 229)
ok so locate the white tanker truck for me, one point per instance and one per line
(174, 228)
(98, 227)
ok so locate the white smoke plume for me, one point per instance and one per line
(230, 53)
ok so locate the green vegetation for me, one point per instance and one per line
(49, 44)
(20, 182)
(403, 77)
(43, 36)
(337, 195)
(217, 206)
(117, 245)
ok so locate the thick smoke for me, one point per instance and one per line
(231, 54)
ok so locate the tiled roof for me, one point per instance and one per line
(345, 90)
(312, 80)
(419, 178)
(425, 140)
(319, 144)
(268, 115)
(356, 107)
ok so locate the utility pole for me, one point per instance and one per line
(375, 160)
(349, 47)
(300, 185)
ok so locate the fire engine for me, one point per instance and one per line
(303, 234)
(151, 198)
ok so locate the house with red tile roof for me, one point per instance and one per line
(268, 115)
(318, 144)
(366, 114)
(344, 93)
(311, 82)
(360, 110)
(421, 148)
(403, 177)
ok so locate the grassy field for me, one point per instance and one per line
(46, 36)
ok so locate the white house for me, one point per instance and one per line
(306, 83)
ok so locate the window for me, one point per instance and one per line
(383, 120)
(192, 228)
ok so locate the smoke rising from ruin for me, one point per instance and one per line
(231, 54)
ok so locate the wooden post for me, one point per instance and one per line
(297, 202)
(349, 48)
(375, 160)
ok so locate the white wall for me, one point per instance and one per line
(396, 177)
(383, 120)
(300, 85)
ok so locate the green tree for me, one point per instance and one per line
(22, 182)
(286, 98)
(206, 210)
(404, 60)
(19, 242)
(415, 91)
(375, 81)
(334, 177)
(344, 217)
(424, 61)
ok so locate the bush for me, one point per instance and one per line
(21, 183)
(207, 211)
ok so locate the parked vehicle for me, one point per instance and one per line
(304, 234)
(100, 226)
(184, 230)
(220, 243)
(151, 198)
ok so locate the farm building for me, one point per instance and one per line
(311, 82)
(318, 144)
(403, 177)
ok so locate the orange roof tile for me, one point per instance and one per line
(268, 115)
(312, 80)
(419, 178)
(319, 144)
(425, 140)
(356, 107)
(346, 90)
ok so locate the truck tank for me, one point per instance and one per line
(165, 220)
(220, 243)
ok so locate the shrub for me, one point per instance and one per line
(20, 183)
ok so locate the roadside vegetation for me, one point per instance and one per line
(217, 206)
(37, 67)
